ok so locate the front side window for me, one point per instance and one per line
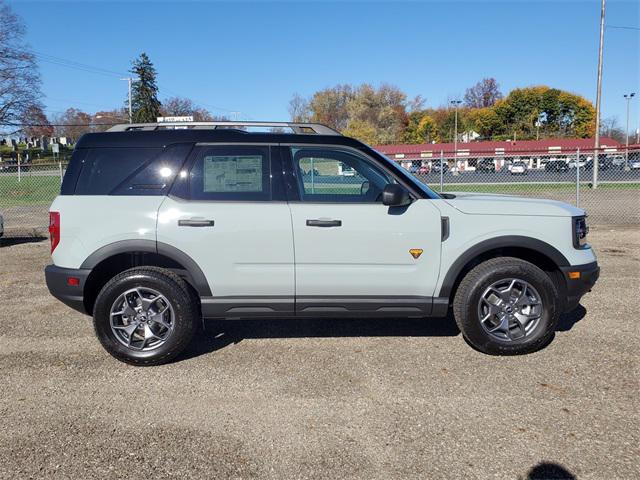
(231, 173)
(332, 175)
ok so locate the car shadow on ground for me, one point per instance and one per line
(221, 333)
(569, 319)
(9, 241)
(549, 471)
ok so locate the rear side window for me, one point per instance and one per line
(156, 176)
(73, 171)
(231, 173)
(103, 169)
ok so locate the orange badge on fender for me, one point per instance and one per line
(415, 252)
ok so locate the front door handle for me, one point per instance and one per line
(324, 223)
(193, 222)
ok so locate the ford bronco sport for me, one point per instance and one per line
(157, 227)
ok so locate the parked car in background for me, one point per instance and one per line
(435, 167)
(556, 166)
(424, 170)
(519, 168)
(617, 161)
(581, 163)
(486, 165)
(634, 163)
(604, 163)
(11, 165)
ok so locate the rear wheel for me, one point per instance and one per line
(145, 316)
(506, 306)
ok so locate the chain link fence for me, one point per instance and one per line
(26, 191)
(614, 199)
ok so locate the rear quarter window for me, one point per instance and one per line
(104, 169)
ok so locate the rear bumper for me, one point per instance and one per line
(57, 282)
(577, 288)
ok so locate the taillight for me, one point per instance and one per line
(54, 229)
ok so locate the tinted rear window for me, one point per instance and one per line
(103, 169)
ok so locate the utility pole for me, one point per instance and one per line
(455, 104)
(596, 146)
(129, 80)
(628, 98)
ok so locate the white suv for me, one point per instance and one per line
(156, 228)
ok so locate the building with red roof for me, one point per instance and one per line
(534, 152)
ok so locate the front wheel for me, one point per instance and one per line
(145, 316)
(506, 306)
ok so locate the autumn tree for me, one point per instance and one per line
(73, 123)
(420, 128)
(38, 123)
(19, 77)
(547, 111)
(105, 119)
(483, 94)
(180, 106)
(329, 106)
(144, 93)
(374, 115)
(299, 110)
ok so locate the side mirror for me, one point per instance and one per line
(394, 195)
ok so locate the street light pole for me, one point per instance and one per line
(598, 97)
(455, 104)
(628, 98)
(128, 80)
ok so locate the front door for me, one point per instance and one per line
(354, 255)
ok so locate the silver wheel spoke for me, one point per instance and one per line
(128, 329)
(135, 315)
(159, 319)
(510, 309)
(503, 326)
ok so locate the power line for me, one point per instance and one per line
(63, 62)
(623, 27)
(57, 124)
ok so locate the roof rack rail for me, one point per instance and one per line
(295, 127)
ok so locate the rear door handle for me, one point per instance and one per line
(324, 223)
(196, 223)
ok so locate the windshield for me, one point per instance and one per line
(408, 176)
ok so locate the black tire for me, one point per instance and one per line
(176, 291)
(473, 285)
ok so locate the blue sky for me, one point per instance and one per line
(251, 57)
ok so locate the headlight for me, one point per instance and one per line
(580, 231)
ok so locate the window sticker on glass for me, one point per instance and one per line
(233, 173)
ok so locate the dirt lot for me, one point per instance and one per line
(322, 399)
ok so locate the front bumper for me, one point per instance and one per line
(58, 283)
(578, 287)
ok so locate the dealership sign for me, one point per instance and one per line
(175, 119)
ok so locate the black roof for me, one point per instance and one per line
(161, 138)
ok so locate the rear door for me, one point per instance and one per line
(228, 213)
(352, 253)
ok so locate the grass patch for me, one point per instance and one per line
(28, 191)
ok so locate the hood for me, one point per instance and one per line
(495, 204)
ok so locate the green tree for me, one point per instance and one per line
(145, 105)
(486, 122)
(527, 112)
(420, 128)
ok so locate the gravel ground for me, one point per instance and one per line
(322, 399)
